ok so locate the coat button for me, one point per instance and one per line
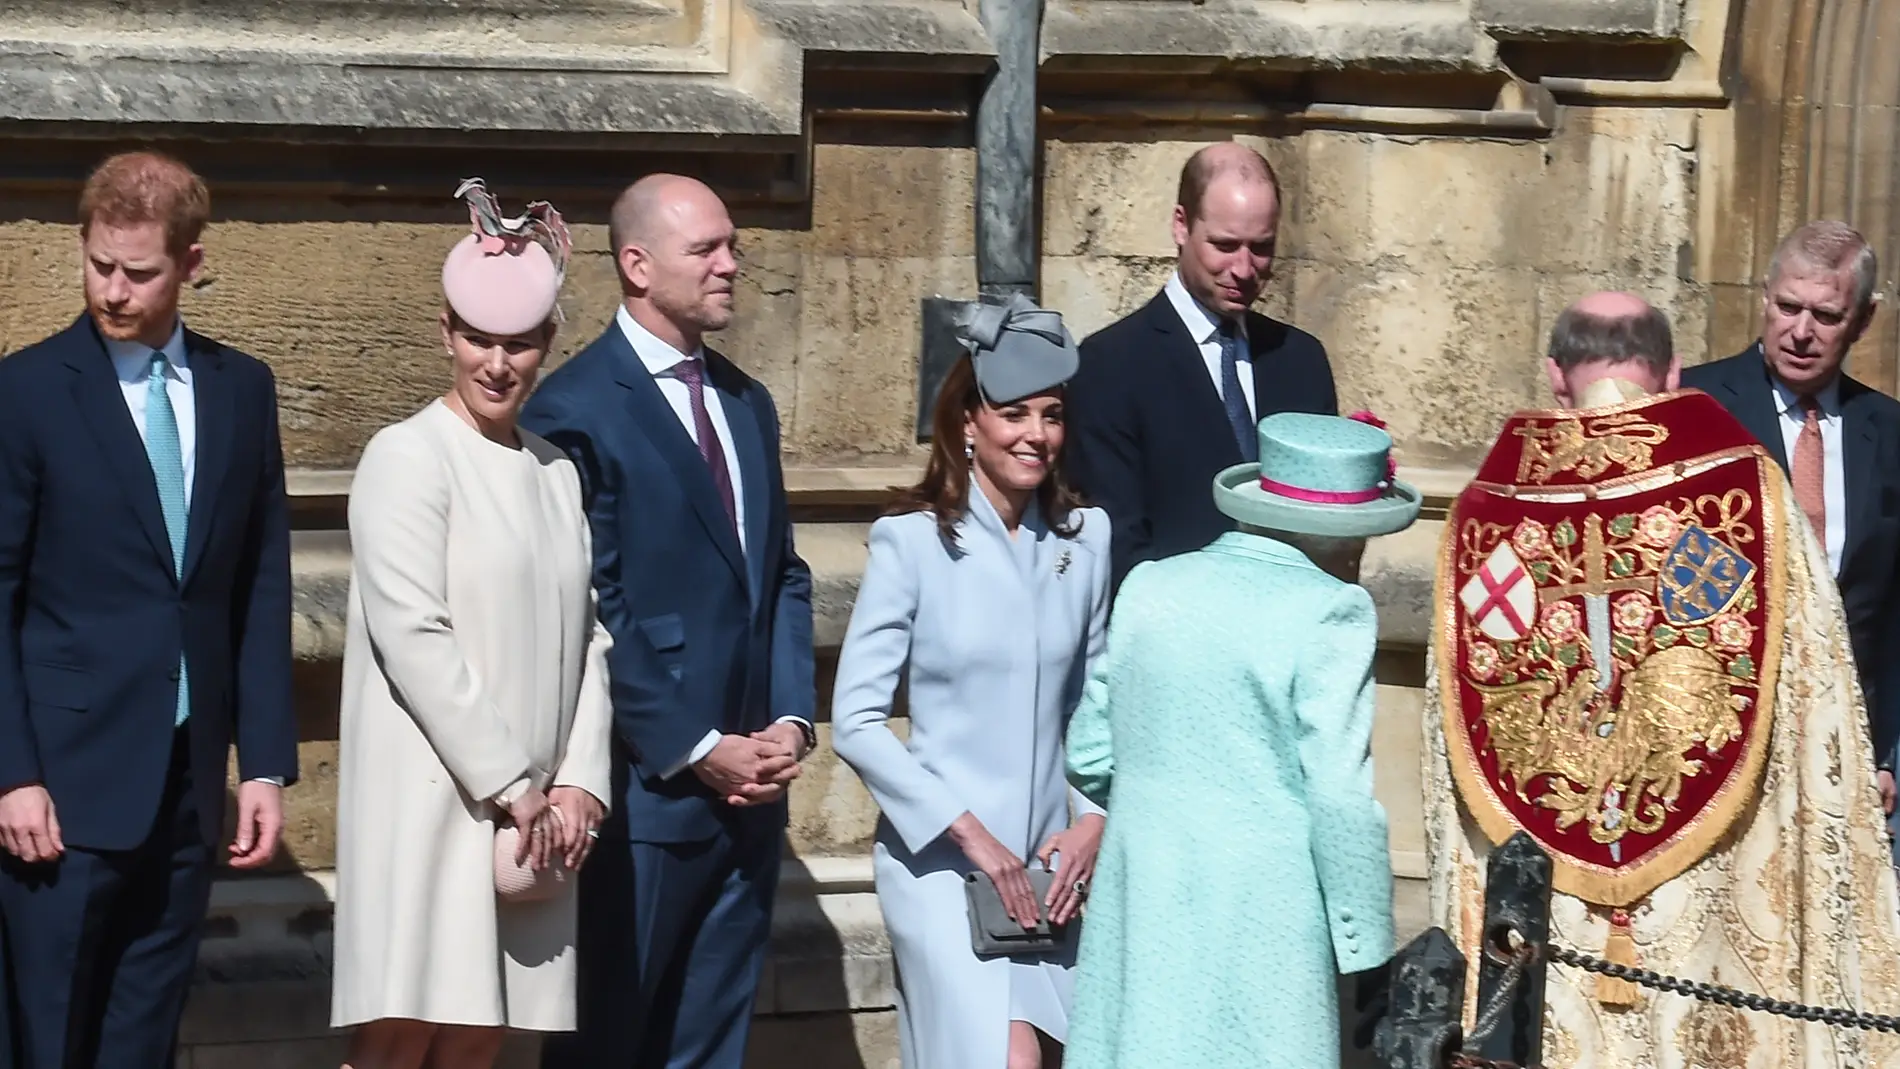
(1345, 915)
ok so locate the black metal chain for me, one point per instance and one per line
(1705, 992)
(1728, 996)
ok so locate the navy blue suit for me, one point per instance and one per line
(1148, 432)
(1870, 557)
(708, 636)
(100, 943)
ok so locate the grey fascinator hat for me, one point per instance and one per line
(1018, 349)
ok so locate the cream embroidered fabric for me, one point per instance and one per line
(1797, 902)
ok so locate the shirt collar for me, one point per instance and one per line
(657, 356)
(132, 359)
(1787, 403)
(1201, 323)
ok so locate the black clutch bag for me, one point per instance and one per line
(994, 933)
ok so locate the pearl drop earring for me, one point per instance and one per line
(969, 449)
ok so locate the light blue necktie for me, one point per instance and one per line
(168, 468)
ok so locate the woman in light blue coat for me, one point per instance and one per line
(1230, 721)
(987, 590)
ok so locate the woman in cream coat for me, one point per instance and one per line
(991, 587)
(474, 690)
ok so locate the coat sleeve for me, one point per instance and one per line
(266, 716)
(1105, 456)
(876, 645)
(399, 532)
(1090, 744)
(1333, 708)
(19, 515)
(650, 714)
(1094, 644)
(587, 761)
(794, 689)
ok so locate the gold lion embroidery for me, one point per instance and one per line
(1588, 448)
(1629, 757)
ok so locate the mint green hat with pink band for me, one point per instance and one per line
(1331, 476)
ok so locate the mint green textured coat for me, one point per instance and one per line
(1227, 729)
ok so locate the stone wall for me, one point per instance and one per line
(1455, 172)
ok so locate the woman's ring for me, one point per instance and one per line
(1082, 888)
(593, 833)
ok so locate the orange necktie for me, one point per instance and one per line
(1810, 470)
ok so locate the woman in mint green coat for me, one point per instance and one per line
(1245, 862)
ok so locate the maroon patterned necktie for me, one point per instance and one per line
(691, 372)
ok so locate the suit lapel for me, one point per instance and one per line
(101, 402)
(1180, 362)
(1751, 399)
(748, 448)
(215, 408)
(1860, 450)
(654, 418)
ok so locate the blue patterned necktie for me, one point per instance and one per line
(1238, 421)
(168, 469)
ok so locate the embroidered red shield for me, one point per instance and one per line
(1607, 655)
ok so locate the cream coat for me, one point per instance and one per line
(473, 657)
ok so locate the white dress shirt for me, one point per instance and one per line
(1833, 464)
(1204, 328)
(132, 362)
(660, 360)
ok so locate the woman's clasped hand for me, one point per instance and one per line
(1075, 848)
(1004, 868)
(561, 824)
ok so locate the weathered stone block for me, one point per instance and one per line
(858, 337)
(1443, 357)
(1619, 197)
(1106, 198)
(891, 202)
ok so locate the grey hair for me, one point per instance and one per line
(1830, 244)
(1584, 338)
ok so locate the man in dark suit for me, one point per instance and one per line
(145, 572)
(710, 611)
(1838, 439)
(1171, 395)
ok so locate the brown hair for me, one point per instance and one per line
(1214, 161)
(945, 487)
(147, 187)
(1583, 338)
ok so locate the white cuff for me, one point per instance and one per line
(512, 793)
(699, 752)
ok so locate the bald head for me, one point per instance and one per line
(1610, 335)
(677, 253)
(642, 209)
(1222, 163)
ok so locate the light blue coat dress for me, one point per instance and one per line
(1245, 863)
(994, 640)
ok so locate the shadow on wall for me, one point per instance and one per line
(821, 1002)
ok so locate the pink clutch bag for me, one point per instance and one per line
(520, 882)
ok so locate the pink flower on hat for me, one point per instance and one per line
(1365, 415)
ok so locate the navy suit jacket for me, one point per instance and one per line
(1869, 580)
(94, 618)
(1148, 432)
(707, 637)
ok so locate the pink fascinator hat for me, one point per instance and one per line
(506, 276)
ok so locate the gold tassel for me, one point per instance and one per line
(1618, 949)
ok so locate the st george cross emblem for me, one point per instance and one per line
(1500, 597)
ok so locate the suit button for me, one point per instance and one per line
(172, 675)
